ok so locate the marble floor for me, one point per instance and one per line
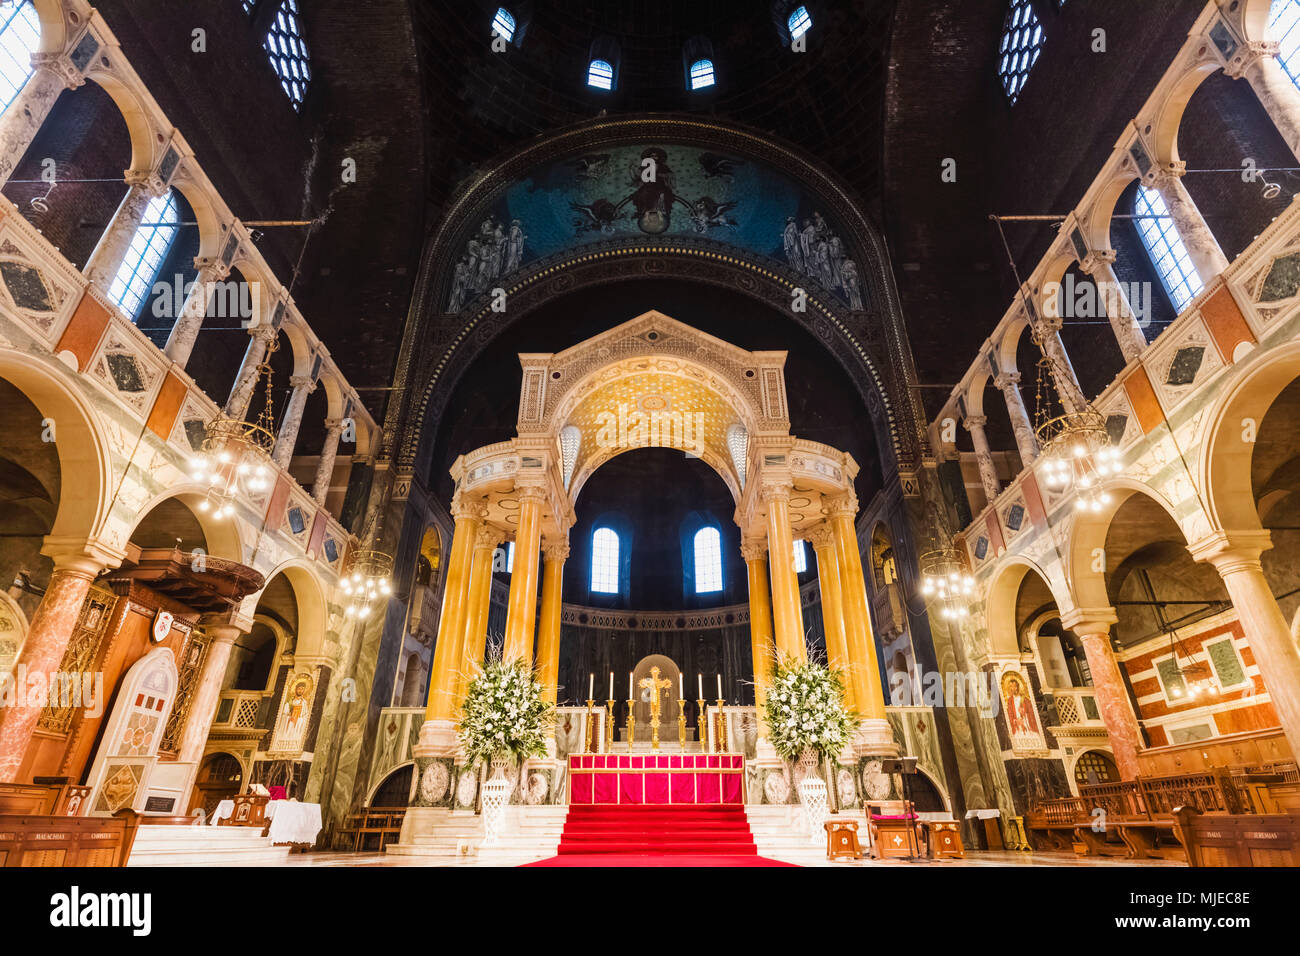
(977, 858)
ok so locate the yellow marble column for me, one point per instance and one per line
(760, 617)
(828, 580)
(786, 612)
(521, 614)
(451, 621)
(479, 592)
(556, 552)
(869, 696)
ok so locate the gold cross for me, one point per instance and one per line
(655, 686)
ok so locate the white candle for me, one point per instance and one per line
(611, 685)
(719, 687)
(681, 693)
(699, 686)
(629, 685)
(591, 685)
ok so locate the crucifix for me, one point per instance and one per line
(655, 686)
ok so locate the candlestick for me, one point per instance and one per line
(590, 727)
(720, 728)
(609, 721)
(699, 723)
(699, 686)
(631, 724)
(629, 685)
(681, 721)
(680, 693)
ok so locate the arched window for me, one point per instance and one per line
(600, 74)
(604, 561)
(701, 74)
(1022, 41)
(288, 53)
(708, 561)
(503, 24)
(1165, 247)
(799, 22)
(247, 5)
(144, 257)
(800, 556)
(1284, 28)
(20, 37)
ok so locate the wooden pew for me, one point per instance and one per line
(1246, 839)
(49, 797)
(48, 840)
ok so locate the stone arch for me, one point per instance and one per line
(1088, 532)
(86, 472)
(147, 139)
(1096, 224)
(1008, 345)
(392, 772)
(1223, 469)
(222, 538)
(309, 596)
(1000, 603)
(54, 30)
(1254, 19)
(1168, 116)
(206, 213)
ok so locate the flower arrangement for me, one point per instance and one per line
(504, 714)
(805, 710)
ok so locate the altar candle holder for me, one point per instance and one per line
(591, 727)
(609, 728)
(700, 722)
(681, 723)
(720, 732)
(631, 725)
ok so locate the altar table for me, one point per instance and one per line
(293, 822)
(656, 778)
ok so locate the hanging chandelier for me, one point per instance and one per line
(234, 460)
(1077, 452)
(366, 577)
(1198, 685)
(946, 582)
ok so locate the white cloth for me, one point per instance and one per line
(225, 809)
(983, 814)
(293, 822)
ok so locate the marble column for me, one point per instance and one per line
(521, 611)
(241, 394)
(285, 442)
(478, 592)
(1236, 558)
(1274, 89)
(1008, 383)
(1202, 248)
(1062, 371)
(185, 331)
(111, 252)
(1109, 689)
(320, 487)
(451, 621)
(556, 552)
(760, 616)
(24, 117)
(828, 580)
(983, 456)
(1110, 292)
(42, 654)
(222, 635)
(874, 735)
(786, 611)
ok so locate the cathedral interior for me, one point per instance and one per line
(357, 359)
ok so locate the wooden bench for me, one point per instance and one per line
(49, 840)
(386, 822)
(1248, 839)
(49, 797)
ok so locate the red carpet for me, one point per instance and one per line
(657, 835)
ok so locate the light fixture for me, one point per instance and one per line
(367, 577)
(1196, 679)
(1077, 452)
(946, 583)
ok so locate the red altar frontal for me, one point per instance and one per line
(656, 778)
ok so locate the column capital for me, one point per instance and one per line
(972, 422)
(488, 537)
(844, 505)
(771, 491)
(333, 426)
(555, 547)
(1005, 380)
(1232, 550)
(1089, 620)
(264, 332)
(60, 64)
(471, 508)
(821, 537)
(1166, 174)
(531, 493)
(86, 557)
(215, 268)
(754, 549)
(1250, 53)
(303, 381)
(1096, 261)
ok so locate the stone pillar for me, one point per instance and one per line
(1123, 322)
(1275, 90)
(222, 635)
(23, 119)
(521, 614)
(556, 552)
(185, 331)
(303, 385)
(874, 735)
(1236, 557)
(828, 580)
(478, 592)
(111, 252)
(42, 654)
(1108, 685)
(760, 616)
(786, 611)
(320, 487)
(1063, 377)
(451, 623)
(983, 455)
(241, 394)
(1008, 383)
(1202, 248)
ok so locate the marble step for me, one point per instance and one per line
(204, 846)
